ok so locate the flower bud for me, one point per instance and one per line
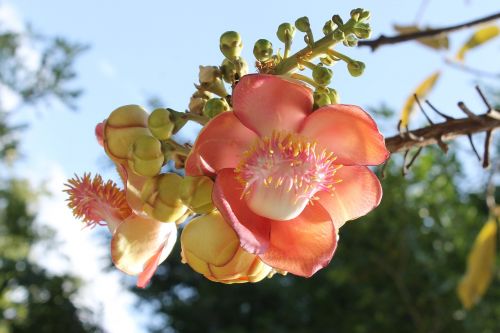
(160, 124)
(210, 80)
(263, 50)
(211, 247)
(337, 20)
(322, 75)
(364, 16)
(327, 61)
(302, 24)
(329, 27)
(362, 30)
(334, 96)
(338, 35)
(355, 68)
(123, 126)
(198, 100)
(146, 157)
(233, 69)
(161, 195)
(321, 98)
(355, 13)
(231, 44)
(350, 40)
(215, 106)
(285, 32)
(196, 193)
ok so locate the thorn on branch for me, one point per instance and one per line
(487, 144)
(407, 166)
(445, 116)
(422, 109)
(485, 101)
(469, 113)
(442, 144)
(469, 136)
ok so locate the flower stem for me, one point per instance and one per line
(202, 120)
(304, 78)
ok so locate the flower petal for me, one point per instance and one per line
(349, 132)
(265, 103)
(303, 245)
(220, 144)
(140, 241)
(253, 230)
(358, 193)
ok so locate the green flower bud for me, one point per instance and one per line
(334, 96)
(365, 15)
(356, 68)
(302, 24)
(285, 32)
(362, 30)
(329, 27)
(338, 20)
(338, 35)
(231, 44)
(263, 50)
(160, 124)
(146, 156)
(233, 69)
(350, 40)
(210, 80)
(322, 75)
(355, 13)
(161, 197)
(215, 106)
(321, 98)
(196, 193)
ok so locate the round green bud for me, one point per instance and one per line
(355, 14)
(362, 30)
(160, 124)
(321, 98)
(337, 20)
(364, 16)
(285, 32)
(322, 75)
(233, 69)
(231, 44)
(263, 50)
(356, 68)
(338, 35)
(350, 40)
(334, 96)
(302, 24)
(329, 27)
(215, 106)
(146, 156)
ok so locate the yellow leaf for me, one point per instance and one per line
(480, 264)
(479, 37)
(436, 42)
(422, 90)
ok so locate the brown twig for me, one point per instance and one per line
(445, 131)
(384, 40)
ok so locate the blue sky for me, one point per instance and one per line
(139, 49)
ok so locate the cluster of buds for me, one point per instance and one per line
(235, 225)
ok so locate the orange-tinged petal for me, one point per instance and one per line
(349, 132)
(253, 230)
(139, 241)
(195, 166)
(303, 245)
(267, 103)
(357, 194)
(220, 145)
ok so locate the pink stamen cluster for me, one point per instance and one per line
(291, 161)
(94, 201)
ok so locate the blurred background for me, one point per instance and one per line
(65, 65)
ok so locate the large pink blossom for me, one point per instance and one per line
(287, 177)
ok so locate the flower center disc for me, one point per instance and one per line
(282, 173)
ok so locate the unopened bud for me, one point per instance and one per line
(338, 35)
(263, 50)
(196, 193)
(233, 69)
(123, 126)
(302, 24)
(350, 40)
(231, 44)
(146, 157)
(211, 247)
(329, 27)
(321, 98)
(160, 124)
(362, 30)
(285, 32)
(337, 20)
(215, 106)
(355, 68)
(161, 198)
(364, 16)
(355, 14)
(334, 96)
(210, 80)
(322, 75)
(198, 100)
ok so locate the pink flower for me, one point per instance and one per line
(287, 178)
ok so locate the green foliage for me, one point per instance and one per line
(395, 270)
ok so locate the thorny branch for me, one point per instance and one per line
(439, 133)
(384, 40)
